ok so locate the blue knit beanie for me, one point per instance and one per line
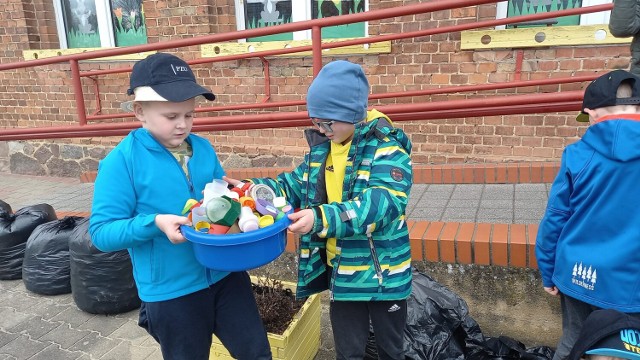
(340, 92)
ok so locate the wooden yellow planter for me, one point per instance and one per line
(300, 341)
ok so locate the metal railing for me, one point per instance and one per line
(496, 105)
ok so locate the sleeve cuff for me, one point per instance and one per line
(317, 220)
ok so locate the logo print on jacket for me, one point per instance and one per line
(583, 276)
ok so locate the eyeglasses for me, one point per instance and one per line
(324, 125)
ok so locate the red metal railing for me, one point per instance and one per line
(497, 105)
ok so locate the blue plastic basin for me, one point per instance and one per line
(241, 251)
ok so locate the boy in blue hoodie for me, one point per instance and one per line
(587, 245)
(353, 188)
(142, 184)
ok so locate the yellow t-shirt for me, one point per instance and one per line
(334, 175)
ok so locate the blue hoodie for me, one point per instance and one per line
(137, 180)
(588, 243)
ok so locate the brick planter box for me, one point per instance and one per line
(301, 339)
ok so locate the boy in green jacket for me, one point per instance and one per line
(352, 190)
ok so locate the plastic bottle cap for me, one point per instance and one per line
(247, 201)
(189, 205)
(238, 191)
(202, 226)
(279, 202)
(266, 220)
(218, 229)
(262, 191)
(265, 207)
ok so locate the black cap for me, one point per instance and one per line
(602, 92)
(610, 333)
(169, 76)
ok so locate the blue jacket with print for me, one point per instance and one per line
(588, 243)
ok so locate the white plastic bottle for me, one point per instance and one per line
(247, 221)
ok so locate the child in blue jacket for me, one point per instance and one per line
(142, 184)
(587, 245)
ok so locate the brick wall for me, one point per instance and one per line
(43, 96)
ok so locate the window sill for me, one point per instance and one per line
(41, 54)
(539, 37)
(234, 48)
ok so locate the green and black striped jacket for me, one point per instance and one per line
(369, 224)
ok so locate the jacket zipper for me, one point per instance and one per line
(376, 262)
(334, 270)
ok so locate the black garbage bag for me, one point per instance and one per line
(46, 267)
(438, 322)
(15, 229)
(101, 283)
(506, 348)
(4, 207)
(439, 327)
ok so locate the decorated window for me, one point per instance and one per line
(100, 23)
(526, 7)
(252, 14)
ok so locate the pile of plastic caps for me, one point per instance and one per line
(243, 208)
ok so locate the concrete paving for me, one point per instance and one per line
(37, 327)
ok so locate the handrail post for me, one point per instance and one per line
(316, 49)
(77, 88)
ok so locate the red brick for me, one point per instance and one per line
(536, 172)
(416, 235)
(481, 251)
(501, 175)
(463, 243)
(549, 173)
(447, 242)
(518, 246)
(512, 173)
(524, 173)
(532, 231)
(499, 241)
(431, 237)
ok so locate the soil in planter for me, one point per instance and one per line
(277, 305)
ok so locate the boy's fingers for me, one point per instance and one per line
(231, 181)
(296, 215)
(183, 220)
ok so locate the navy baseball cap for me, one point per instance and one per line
(164, 77)
(609, 333)
(602, 92)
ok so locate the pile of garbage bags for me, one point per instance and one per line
(56, 256)
(439, 327)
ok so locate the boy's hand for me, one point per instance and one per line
(170, 225)
(302, 221)
(551, 290)
(231, 181)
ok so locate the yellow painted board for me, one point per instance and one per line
(42, 54)
(234, 48)
(539, 37)
(305, 332)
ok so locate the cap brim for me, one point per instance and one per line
(582, 117)
(614, 353)
(179, 91)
